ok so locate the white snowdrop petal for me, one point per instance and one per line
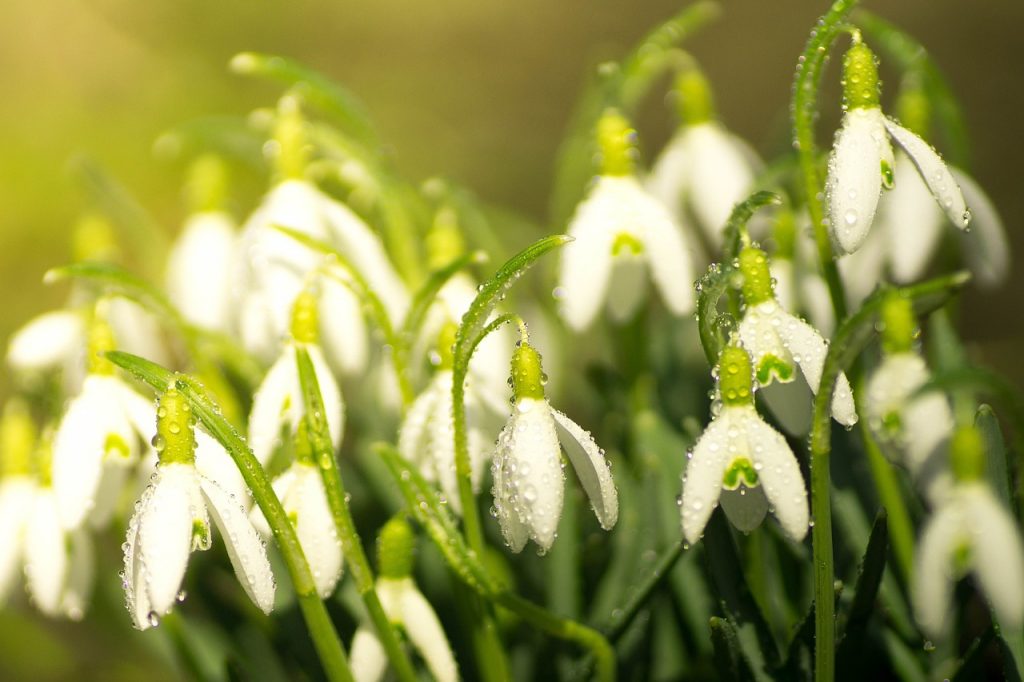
(911, 222)
(722, 177)
(213, 462)
(81, 575)
(627, 287)
(132, 575)
(281, 485)
(342, 328)
(413, 436)
(864, 269)
(306, 503)
(933, 575)
(367, 658)
(137, 330)
(808, 349)
(513, 528)
(670, 174)
(745, 507)
(207, 246)
(702, 480)
(534, 468)
(933, 171)
(779, 474)
(425, 632)
(246, 550)
(670, 255)
(46, 557)
(108, 492)
(271, 405)
(854, 179)
(760, 332)
(165, 534)
(986, 248)
(591, 467)
(16, 498)
(46, 341)
(141, 412)
(928, 424)
(783, 272)
(997, 554)
(586, 262)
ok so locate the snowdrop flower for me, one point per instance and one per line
(798, 284)
(58, 564)
(98, 437)
(527, 467)
(742, 462)
(969, 531)
(620, 230)
(206, 245)
(406, 607)
(278, 403)
(427, 434)
(273, 267)
(862, 158)
(301, 491)
(913, 430)
(704, 166)
(172, 519)
(780, 343)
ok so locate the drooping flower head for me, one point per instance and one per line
(527, 467)
(406, 607)
(742, 462)
(620, 231)
(970, 531)
(172, 519)
(862, 158)
(781, 343)
(704, 167)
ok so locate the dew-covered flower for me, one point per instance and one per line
(172, 519)
(742, 462)
(781, 343)
(406, 607)
(274, 268)
(278, 404)
(862, 159)
(527, 467)
(704, 167)
(98, 438)
(301, 491)
(912, 429)
(620, 231)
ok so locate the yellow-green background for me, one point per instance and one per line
(477, 90)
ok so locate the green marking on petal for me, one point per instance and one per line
(740, 471)
(773, 368)
(892, 423)
(625, 241)
(115, 446)
(962, 558)
(887, 175)
(200, 535)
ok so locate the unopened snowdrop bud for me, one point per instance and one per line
(694, 100)
(292, 153)
(527, 471)
(616, 141)
(172, 519)
(862, 158)
(780, 343)
(898, 324)
(742, 462)
(967, 453)
(396, 547)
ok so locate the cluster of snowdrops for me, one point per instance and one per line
(221, 399)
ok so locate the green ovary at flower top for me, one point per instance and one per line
(741, 462)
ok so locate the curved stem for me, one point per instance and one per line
(805, 112)
(334, 487)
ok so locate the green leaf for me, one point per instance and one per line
(972, 665)
(229, 136)
(862, 607)
(998, 465)
(729, 660)
(437, 521)
(426, 294)
(911, 56)
(712, 326)
(314, 88)
(113, 279)
(735, 226)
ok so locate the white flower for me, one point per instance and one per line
(799, 287)
(427, 434)
(970, 531)
(862, 160)
(95, 444)
(620, 231)
(913, 430)
(173, 519)
(278, 403)
(405, 606)
(707, 168)
(47, 341)
(528, 477)
(273, 268)
(17, 493)
(743, 463)
(199, 270)
(301, 491)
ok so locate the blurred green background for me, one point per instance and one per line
(479, 91)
